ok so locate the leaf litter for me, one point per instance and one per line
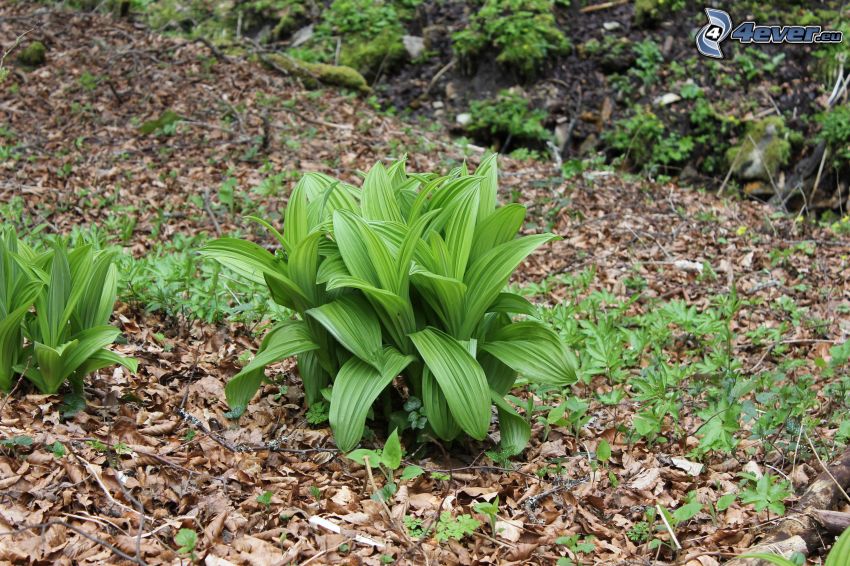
(154, 453)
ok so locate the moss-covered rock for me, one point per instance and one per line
(33, 55)
(764, 148)
(385, 52)
(314, 74)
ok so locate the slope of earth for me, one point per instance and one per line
(140, 135)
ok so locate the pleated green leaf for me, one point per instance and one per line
(489, 274)
(378, 201)
(436, 408)
(535, 351)
(245, 258)
(500, 227)
(461, 379)
(355, 389)
(354, 325)
(287, 339)
(513, 429)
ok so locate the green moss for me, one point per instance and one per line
(383, 52)
(650, 12)
(33, 54)
(314, 74)
(764, 148)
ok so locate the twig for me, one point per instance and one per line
(603, 6)
(439, 74)
(667, 525)
(211, 213)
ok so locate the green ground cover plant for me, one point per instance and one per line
(523, 32)
(55, 307)
(403, 276)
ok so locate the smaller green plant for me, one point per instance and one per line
(187, 541)
(317, 413)
(639, 532)
(523, 33)
(490, 509)
(765, 492)
(835, 131)
(414, 526)
(265, 499)
(508, 117)
(643, 142)
(455, 528)
(60, 301)
(576, 545)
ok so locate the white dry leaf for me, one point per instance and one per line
(693, 468)
(342, 497)
(509, 530)
(645, 479)
(688, 266)
(752, 468)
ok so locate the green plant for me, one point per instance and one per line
(643, 141)
(61, 303)
(404, 276)
(835, 131)
(187, 541)
(508, 117)
(765, 492)
(490, 509)
(455, 528)
(523, 32)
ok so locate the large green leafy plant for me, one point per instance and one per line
(54, 314)
(404, 276)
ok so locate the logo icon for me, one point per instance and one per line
(719, 27)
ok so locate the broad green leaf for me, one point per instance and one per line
(489, 274)
(443, 294)
(287, 339)
(461, 379)
(313, 375)
(391, 454)
(352, 247)
(304, 266)
(437, 408)
(379, 200)
(411, 473)
(500, 377)
(245, 258)
(488, 170)
(296, 224)
(535, 351)
(355, 389)
(460, 229)
(513, 429)
(513, 304)
(500, 227)
(350, 320)
(364, 456)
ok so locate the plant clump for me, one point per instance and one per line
(55, 307)
(404, 276)
(524, 33)
(509, 117)
(33, 55)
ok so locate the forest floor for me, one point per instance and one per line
(152, 452)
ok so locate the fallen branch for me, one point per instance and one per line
(800, 530)
(836, 522)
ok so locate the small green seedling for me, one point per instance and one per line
(490, 509)
(187, 540)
